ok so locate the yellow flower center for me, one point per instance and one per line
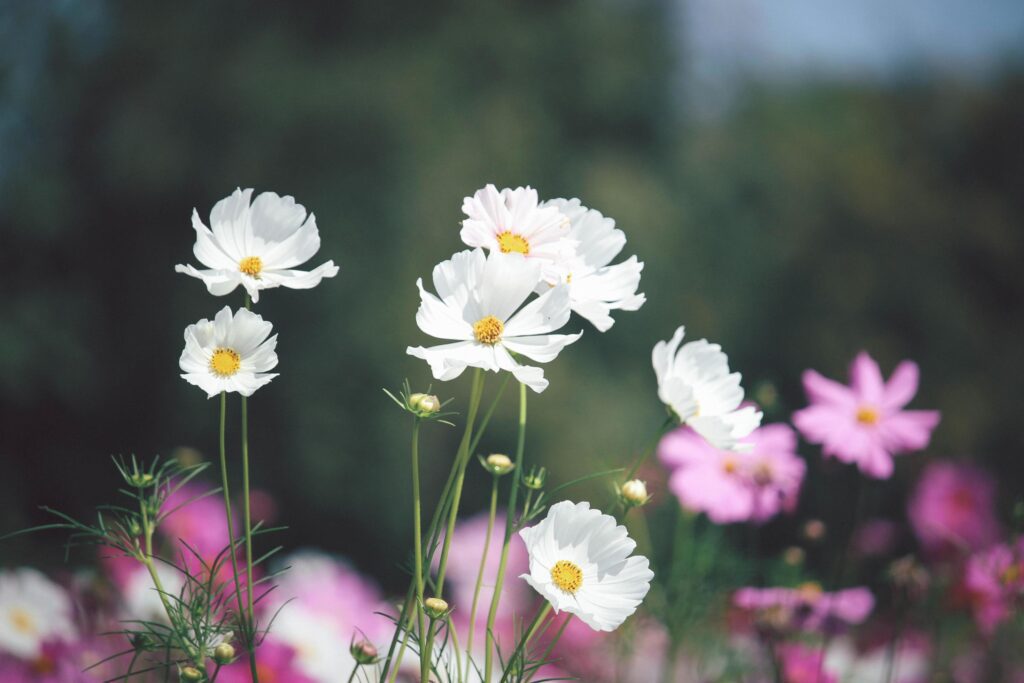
(730, 466)
(22, 621)
(225, 362)
(567, 576)
(867, 415)
(488, 330)
(251, 265)
(510, 241)
(1011, 575)
(810, 591)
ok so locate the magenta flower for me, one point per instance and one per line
(728, 486)
(951, 508)
(195, 523)
(804, 664)
(865, 423)
(57, 662)
(275, 661)
(994, 579)
(806, 607)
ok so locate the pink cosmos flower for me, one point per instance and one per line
(807, 607)
(197, 521)
(321, 603)
(728, 486)
(58, 662)
(275, 661)
(865, 423)
(803, 664)
(464, 563)
(994, 579)
(951, 508)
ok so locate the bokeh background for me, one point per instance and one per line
(803, 179)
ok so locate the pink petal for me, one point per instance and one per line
(902, 386)
(877, 462)
(866, 379)
(818, 422)
(823, 390)
(908, 430)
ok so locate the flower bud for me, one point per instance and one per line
(223, 653)
(435, 608)
(424, 404)
(793, 556)
(535, 479)
(498, 464)
(363, 652)
(815, 530)
(634, 493)
(191, 674)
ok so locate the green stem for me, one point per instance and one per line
(551, 646)
(417, 524)
(352, 676)
(492, 514)
(227, 504)
(509, 526)
(147, 560)
(246, 509)
(433, 533)
(527, 636)
(462, 459)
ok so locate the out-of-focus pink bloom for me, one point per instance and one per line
(57, 662)
(195, 521)
(753, 485)
(806, 607)
(276, 662)
(803, 664)
(464, 563)
(865, 423)
(323, 604)
(994, 580)
(951, 508)
(876, 537)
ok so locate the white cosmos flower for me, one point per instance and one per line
(696, 385)
(33, 610)
(478, 307)
(256, 246)
(513, 221)
(580, 562)
(596, 288)
(229, 353)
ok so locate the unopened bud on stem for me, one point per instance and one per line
(435, 608)
(498, 464)
(223, 653)
(425, 404)
(634, 493)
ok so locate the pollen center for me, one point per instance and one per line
(22, 621)
(510, 241)
(488, 330)
(225, 362)
(251, 266)
(729, 465)
(567, 576)
(867, 415)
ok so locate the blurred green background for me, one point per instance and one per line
(794, 206)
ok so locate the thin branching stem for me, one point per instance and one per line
(227, 503)
(509, 526)
(491, 515)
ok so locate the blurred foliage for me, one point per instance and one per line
(802, 224)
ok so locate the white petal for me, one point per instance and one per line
(276, 218)
(440, 320)
(541, 348)
(229, 221)
(218, 282)
(298, 279)
(547, 313)
(506, 282)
